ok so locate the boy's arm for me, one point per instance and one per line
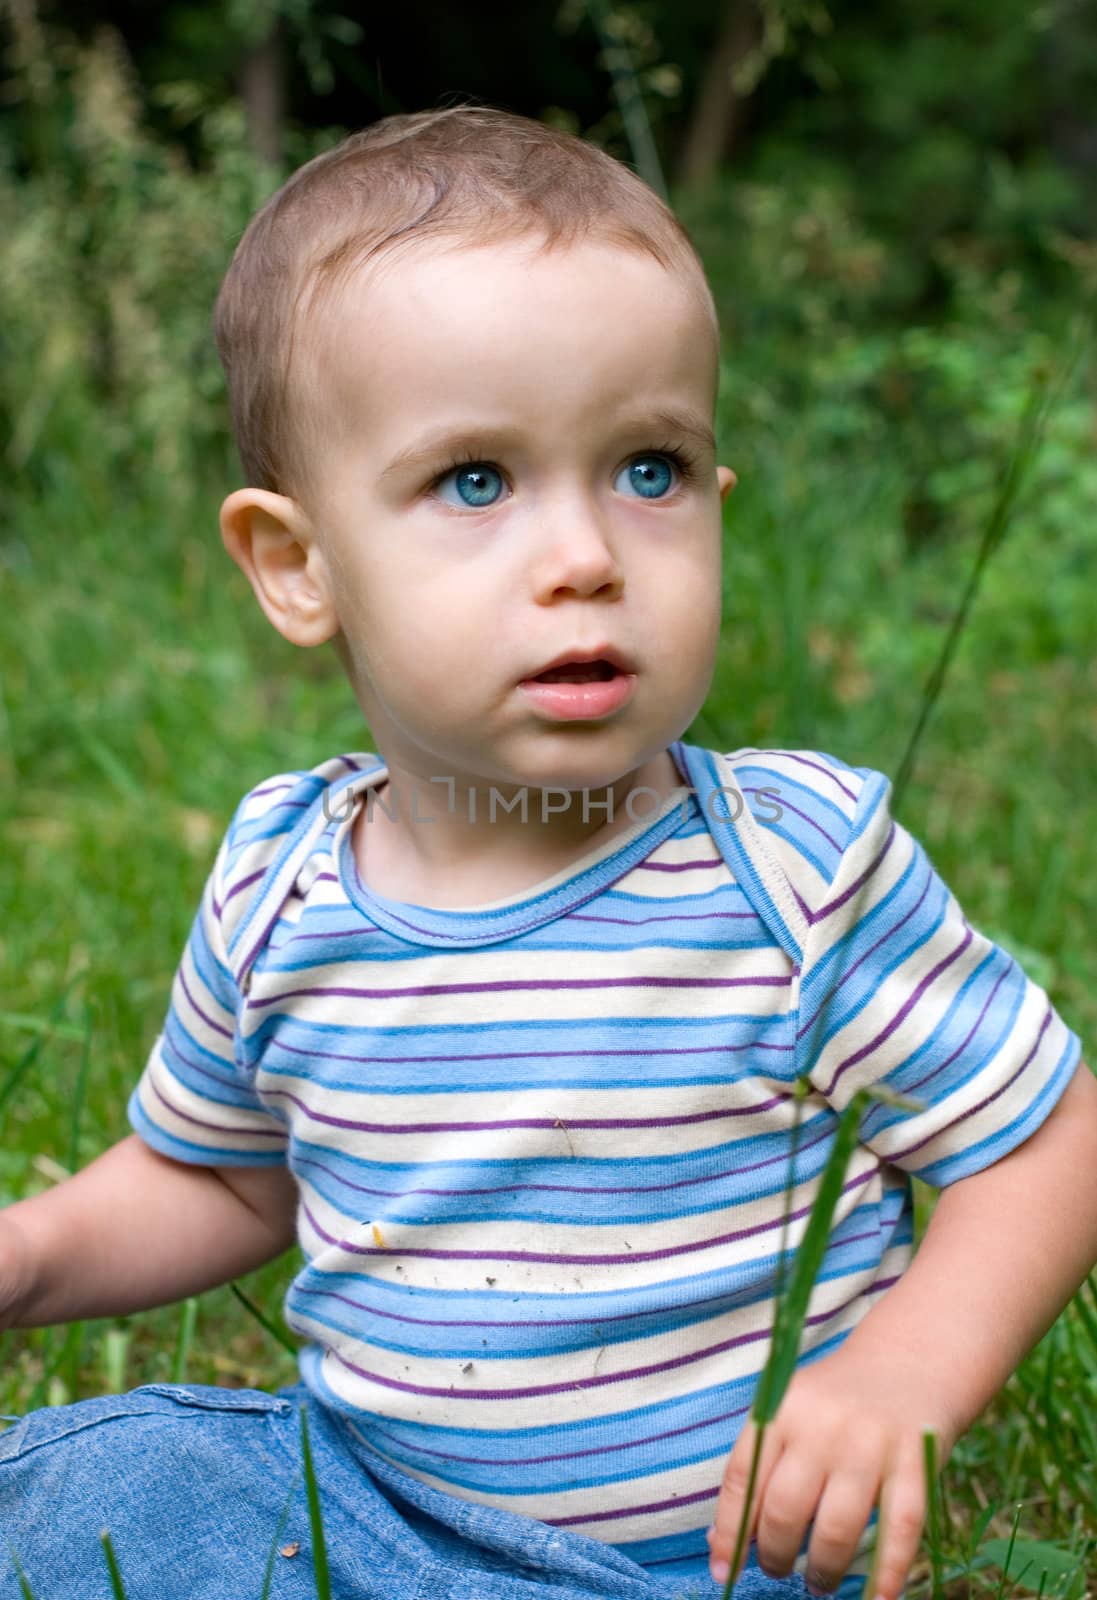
(134, 1230)
(1004, 1251)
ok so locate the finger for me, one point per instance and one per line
(899, 1527)
(792, 1494)
(844, 1512)
(733, 1496)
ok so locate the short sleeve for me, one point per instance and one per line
(898, 990)
(194, 1101)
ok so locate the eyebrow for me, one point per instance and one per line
(448, 441)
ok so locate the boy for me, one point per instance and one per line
(503, 1023)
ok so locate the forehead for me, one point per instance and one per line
(508, 325)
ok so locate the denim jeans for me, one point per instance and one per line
(192, 1481)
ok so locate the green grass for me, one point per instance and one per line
(142, 693)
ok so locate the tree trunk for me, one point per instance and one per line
(261, 89)
(716, 126)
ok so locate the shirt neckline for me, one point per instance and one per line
(469, 926)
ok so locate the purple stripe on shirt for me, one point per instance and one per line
(216, 1127)
(558, 1257)
(314, 1053)
(226, 1033)
(803, 761)
(972, 1031)
(688, 1119)
(563, 1455)
(273, 788)
(889, 933)
(597, 1381)
(619, 922)
(244, 883)
(787, 806)
(833, 905)
(521, 984)
(638, 1511)
(973, 1110)
(903, 1012)
(805, 909)
(577, 1188)
(671, 916)
(679, 866)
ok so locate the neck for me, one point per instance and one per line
(448, 842)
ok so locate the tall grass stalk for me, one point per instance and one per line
(933, 1513)
(268, 1575)
(117, 1587)
(1030, 432)
(18, 1072)
(263, 1320)
(187, 1322)
(629, 97)
(792, 1304)
(319, 1548)
(27, 1591)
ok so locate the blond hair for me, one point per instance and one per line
(468, 172)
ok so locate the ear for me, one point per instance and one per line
(728, 480)
(273, 543)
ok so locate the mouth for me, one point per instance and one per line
(581, 690)
(598, 664)
(578, 672)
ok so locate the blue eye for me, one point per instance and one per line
(650, 476)
(477, 483)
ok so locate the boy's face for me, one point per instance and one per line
(556, 381)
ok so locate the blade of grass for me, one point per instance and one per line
(32, 1052)
(263, 1320)
(28, 1592)
(1056, 1451)
(1030, 432)
(269, 1573)
(81, 1085)
(112, 1566)
(29, 1023)
(50, 1364)
(1089, 1318)
(71, 1354)
(114, 1350)
(630, 101)
(1051, 1416)
(933, 1510)
(187, 1321)
(319, 1548)
(791, 1308)
(1009, 1551)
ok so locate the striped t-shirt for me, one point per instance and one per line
(541, 1145)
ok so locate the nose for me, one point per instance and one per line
(575, 555)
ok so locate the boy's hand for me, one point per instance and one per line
(847, 1435)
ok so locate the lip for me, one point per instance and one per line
(598, 652)
(580, 702)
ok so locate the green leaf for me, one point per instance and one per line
(269, 1573)
(319, 1548)
(187, 1320)
(1032, 1559)
(112, 1567)
(28, 1593)
(263, 1320)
